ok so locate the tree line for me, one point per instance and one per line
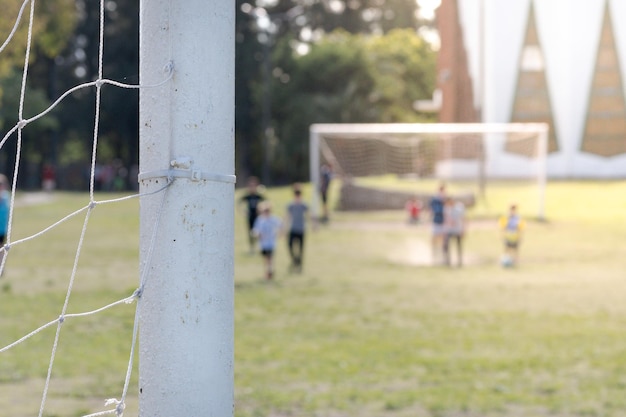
(298, 62)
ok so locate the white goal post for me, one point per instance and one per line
(186, 330)
(184, 316)
(472, 152)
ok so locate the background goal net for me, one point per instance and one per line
(381, 166)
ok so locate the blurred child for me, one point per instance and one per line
(454, 227)
(512, 226)
(413, 208)
(266, 228)
(297, 212)
(251, 199)
(326, 175)
(5, 203)
(437, 217)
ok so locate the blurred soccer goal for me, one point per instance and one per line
(380, 166)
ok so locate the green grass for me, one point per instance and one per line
(367, 329)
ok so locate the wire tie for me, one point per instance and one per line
(183, 168)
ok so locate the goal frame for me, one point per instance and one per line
(319, 129)
(186, 310)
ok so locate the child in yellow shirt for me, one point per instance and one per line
(512, 227)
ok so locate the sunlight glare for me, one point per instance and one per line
(336, 6)
(427, 8)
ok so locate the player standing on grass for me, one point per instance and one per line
(5, 203)
(454, 225)
(297, 212)
(512, 227)
(326, 175)
(252, 198)
(413, 208)
(266, 228)
(436, 206)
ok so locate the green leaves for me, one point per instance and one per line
(345, 78)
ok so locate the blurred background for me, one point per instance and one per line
(297, 62)
(300, 62)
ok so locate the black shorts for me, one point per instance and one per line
(251, 220)
(267, 252)
(511, 244)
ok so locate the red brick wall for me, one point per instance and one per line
(453, 75)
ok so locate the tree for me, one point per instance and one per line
(345, 78)
(405, 71)
(332, 83)
(268, 30)
(119, 117)
(64, 54)
(55, 21)
(355, 82)
(248, 58)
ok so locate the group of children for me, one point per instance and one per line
(447, 216)
(265, 227)
(448, 225)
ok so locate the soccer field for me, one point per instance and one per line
(369, 328)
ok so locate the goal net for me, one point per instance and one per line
(382, 166)
(69, 358)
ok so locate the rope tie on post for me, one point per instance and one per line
(183, 168)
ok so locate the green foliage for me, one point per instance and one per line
(74, 150)
(34, 143)
(54, 23)
(35, 101)
(349, 84)
(65, 53)
(345, 78)
(405, 69)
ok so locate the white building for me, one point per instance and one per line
(556, 61)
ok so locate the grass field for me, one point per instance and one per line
(368, 329)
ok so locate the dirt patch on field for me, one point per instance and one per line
(34, 198)
(414, 246)
(412, 252)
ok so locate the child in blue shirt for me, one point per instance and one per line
(266, 228)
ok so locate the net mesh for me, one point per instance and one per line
(417, 161)
(112, 406)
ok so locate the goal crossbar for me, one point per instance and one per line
(391, 128)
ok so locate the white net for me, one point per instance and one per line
(187, 164)
(382, 165)
(26, 16)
